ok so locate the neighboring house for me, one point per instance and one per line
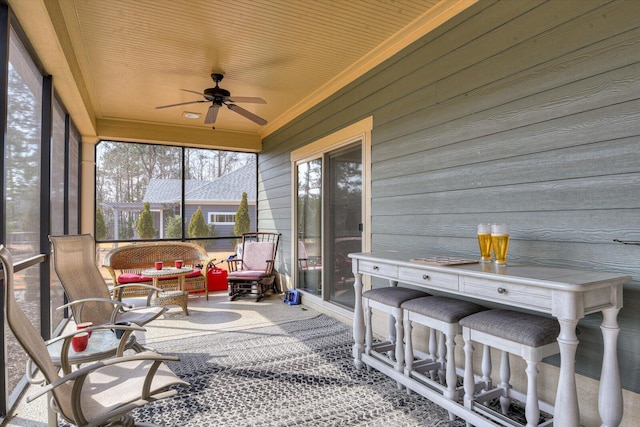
(219, 199)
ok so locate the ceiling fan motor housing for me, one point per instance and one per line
(216, 92)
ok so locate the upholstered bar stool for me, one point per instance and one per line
(388, 300)
(439, 314)
(526, 335)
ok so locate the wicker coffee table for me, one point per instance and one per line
(170, 296)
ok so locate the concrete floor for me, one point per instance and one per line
(205, 317)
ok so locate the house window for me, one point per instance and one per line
(222, 218)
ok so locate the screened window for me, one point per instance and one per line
(22, 180)
(144, 192)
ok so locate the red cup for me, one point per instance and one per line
(178, 263)
(84, 325)
(80, 342)
(158, 265)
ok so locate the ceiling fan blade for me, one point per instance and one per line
(212, 114)
(192, 91)
(248, 114)
(181, 103)
(208, 98)
(251, 99)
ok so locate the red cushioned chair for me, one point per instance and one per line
(252, 274)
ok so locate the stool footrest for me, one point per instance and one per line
(427, 381)
(383, 347)
(427, 365)
(484, 396)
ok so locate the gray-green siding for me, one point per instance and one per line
(524, 112)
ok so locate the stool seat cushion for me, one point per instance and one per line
(393, 296)
(449, 310)
(523, 328)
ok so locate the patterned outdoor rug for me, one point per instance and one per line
(294, 374)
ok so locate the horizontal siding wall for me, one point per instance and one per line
(524, 112)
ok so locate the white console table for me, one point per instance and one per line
(566, 294)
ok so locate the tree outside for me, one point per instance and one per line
(243, 221)
(101, 228)
(197, 225)
(174, 228)
(145, 223)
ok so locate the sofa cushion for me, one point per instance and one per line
(194, 273)
(125, 278)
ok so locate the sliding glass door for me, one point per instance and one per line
(343, 227)
(329, 222)
(309, 226)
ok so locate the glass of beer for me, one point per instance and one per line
(484, 241)
(500, 242)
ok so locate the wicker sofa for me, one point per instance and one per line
(126, 263)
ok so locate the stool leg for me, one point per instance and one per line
(399, 351)
(368, 335)
(505, 377)
(441, 357)
(432, 350)
(532, 410)
(487, 368)
(408, 347)
(469, 383)
(452, 378)
(391, 328)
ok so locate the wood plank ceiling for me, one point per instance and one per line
(136, 55)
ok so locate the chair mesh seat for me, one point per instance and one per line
(523, 328)
(393, 296)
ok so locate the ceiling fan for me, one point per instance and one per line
(218, 97)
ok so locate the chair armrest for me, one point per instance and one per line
(66, 338)
(83, 371)
(151, 289)
(80, 302)
(270, 266)
(112, 272)
(108, 300)
(234, 264)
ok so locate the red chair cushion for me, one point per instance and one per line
(194, 273)
(247, 275)
(125, 278)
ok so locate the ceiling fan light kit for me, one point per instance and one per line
(218, 97)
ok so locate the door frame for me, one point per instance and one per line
(359, 131)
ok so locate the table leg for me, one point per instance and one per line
(182, 282)
(52, 416)
(358, 321)
(610, 404)
(567, 413)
